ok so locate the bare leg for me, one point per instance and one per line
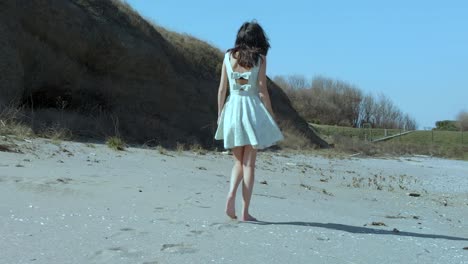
(249, 157)
(236, 177)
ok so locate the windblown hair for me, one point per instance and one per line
(251, 43)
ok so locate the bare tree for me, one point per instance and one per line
(384, 115)
(409, 123)
(463, 120)
(335, 102)
(352, 98)
(297, 82)
(367, 110)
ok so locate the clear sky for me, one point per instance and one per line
(413, 51)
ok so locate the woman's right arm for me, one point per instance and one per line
(222, 90)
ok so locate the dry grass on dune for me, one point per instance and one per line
(293, 139)
(201, 55)
(10, 124)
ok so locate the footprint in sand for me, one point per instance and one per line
(123, 232)
(115, 254)
(180, 248)
(43, 186)
(221, 226)
(194, 233)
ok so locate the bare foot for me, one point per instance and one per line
(248, 217)
(231, 207)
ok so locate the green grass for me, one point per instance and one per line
(360, 133)
(452, 144)
(446, 138)
(447, 144)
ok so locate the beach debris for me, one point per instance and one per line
(140, 190)
(291, 164)
(19, 166)
(308, 187)
(69, 154)
(324, 180)
(465, 248)
(414, 194)
(399, 216)
(396, 230)
(264, 182)
(378, 224)
(64, 180)
(5, 148)
(88, 159)
(327, 192)
(201, 168)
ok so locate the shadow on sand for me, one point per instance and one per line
(359, 230)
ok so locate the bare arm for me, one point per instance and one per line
(262, 84)
(222, 90)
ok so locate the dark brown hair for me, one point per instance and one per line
(251, 42)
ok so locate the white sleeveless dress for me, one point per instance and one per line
(244, 119)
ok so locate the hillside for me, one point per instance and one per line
(96, 68)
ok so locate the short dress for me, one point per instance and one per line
(244, 119)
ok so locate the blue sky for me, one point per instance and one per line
(415, 52)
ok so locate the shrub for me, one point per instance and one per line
(447, 125)
(115, 143)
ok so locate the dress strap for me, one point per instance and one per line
(227, 61)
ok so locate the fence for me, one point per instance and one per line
(380, 134)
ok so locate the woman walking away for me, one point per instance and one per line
(245, 120)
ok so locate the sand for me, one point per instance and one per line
(68, 202)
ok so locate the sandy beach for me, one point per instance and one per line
(69, 202)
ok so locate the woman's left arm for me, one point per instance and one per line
(222, 90)
(262, 84)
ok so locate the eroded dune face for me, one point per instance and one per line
(95, 67)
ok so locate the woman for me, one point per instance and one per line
(245, 120)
